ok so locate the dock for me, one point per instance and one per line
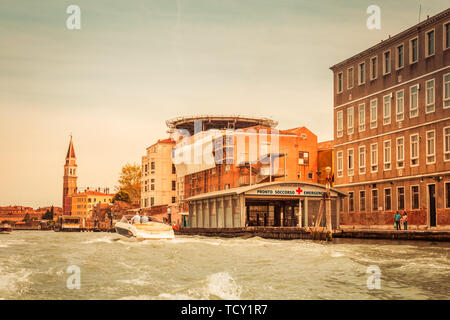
(292, 233)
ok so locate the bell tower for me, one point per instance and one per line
(70, 179)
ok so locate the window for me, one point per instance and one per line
(146, 168)
(429, 43)
(373, 114)
(351, 206)
(153, 166)
(362, 160)
(152, 186)
(340, 82)
(400, 57)
(400, 198)
(431, 147)
(446, 139)
(415, 197)
(340, 169)
(351, 158)
(400, 105)
(414, 50)
(350, 78)
(362, 73)
(429, 96)
(362, 201)
(447, 194)
(387, 155)
(350, 117)
(400, 152)
(374, 157)
(414, 149)
(174, 170)
(310, 175)
(174, 185)
(145, 202)
(387, 62)
(374, 199)
(362, 117)
(446, 88)
(414, 101)
(387, 199)
(373, 68)
(446, 35)
(174, 199)
(387, 109)
(152, 201)
(303, 158)
(340, 123)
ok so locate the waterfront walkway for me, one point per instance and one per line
(290, 233)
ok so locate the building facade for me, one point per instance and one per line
(392, 128)
(159, 179)
(240, 172)
(69, 179)
(84, 203)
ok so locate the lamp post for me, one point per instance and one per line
(328, 203)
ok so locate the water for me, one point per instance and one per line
(33, 265)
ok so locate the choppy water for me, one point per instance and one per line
(33, 265)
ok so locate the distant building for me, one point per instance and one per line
(69, 179)
(392, 128)
(83, 203)
(159, 179)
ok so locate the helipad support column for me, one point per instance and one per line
(213, 213)
(306, 212)
(243, 210)
(228, 212)
(199, 214)
(220, 213)
(205, 212)
(300, 213)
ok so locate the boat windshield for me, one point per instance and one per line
(124, 220)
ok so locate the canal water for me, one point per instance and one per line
(49, 265)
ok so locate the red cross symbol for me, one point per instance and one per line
(299, 190)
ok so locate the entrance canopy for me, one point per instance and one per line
(276, 189)
(271, 204)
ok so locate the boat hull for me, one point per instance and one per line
(145, 231)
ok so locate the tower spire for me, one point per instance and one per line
(71, 150)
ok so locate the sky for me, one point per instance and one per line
(135, 64)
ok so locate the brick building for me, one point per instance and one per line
(392, 128)
(241, 172)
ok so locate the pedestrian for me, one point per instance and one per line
(398, 216)
(405, 221)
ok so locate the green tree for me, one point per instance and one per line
(122, 196)
(130, 181)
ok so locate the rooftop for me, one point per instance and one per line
(392, 40)
(218, 122)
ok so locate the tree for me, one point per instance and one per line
(122, 196)
(130, 181)
(48, 215)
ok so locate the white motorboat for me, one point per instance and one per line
(152, 230)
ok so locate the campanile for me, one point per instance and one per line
(70, 179)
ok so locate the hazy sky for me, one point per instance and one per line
(136, 63)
